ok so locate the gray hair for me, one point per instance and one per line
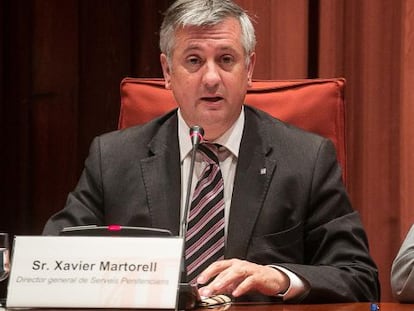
(204, 13)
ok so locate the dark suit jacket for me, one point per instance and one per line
(296, 215)
(402, 270)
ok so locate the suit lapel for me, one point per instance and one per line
(254, 171)
(162, 177)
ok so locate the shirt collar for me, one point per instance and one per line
(230, 139)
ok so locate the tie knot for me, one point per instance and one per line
(209, 152)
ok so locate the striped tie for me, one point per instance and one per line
(205, 232)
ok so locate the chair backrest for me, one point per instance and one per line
(316, 105)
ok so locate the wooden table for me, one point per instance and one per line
(387, 306)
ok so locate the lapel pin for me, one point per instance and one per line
(263, 171)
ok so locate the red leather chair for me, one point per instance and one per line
(316, 105)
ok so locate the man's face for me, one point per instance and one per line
(208, 75)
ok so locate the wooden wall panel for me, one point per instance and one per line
(282, 38)
(331, 39)
(360, 40)
(62, 64)
(15, 110)
(3, 17)
(146, 21)
(407, 124)
(105, 58)
(54, 109)
(371, 63)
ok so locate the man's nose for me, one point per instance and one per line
(211, 76)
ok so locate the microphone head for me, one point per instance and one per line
(196, 135)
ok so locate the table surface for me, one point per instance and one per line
(385, 306)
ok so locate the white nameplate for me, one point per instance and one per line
(95, 272)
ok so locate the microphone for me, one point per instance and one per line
(189, 296)
(196, 135)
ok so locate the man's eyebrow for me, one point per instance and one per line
(197, 47)
(192, 48)
(227, 48)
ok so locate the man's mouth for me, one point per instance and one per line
(212, 99)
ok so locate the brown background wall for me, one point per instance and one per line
(61, 63)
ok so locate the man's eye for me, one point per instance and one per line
(227, 59)
(193, 61)
(227, 62)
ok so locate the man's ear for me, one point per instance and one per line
(250, 68)
(166, 70)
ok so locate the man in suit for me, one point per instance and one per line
(290, 232)
(402, 271)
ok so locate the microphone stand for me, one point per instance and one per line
(188, 293)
